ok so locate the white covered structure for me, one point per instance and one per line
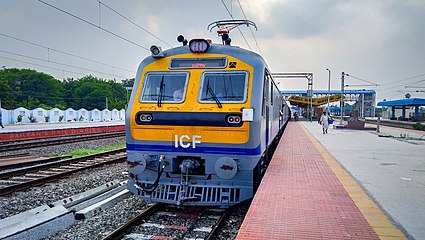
(115, 115)
(39, 114)
(122, 114)
(56, 115)
(95, 115)
(83, 115)
(23, 112)
(70, 115)
(5, 116)
(106, 115)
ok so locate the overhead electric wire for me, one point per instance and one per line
(396, 81)
(92, 24)
(63, 64)
(362, 80)
(66, 53)
(137, 25)
(401, 85)
(40, 65)
(255, 39)
(237, 26)
(411, 84)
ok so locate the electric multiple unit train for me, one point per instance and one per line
(199, 125)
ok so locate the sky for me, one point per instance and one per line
(375, 42)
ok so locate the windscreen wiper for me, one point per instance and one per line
(161, 91)
(209, 89)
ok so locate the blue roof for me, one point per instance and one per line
(336, 108)
(404, 102)
(304, 92)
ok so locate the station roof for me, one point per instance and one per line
(304, 92)
(403, 102)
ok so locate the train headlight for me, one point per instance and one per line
(156, 52)
(226, 168)
(199, 45)
(145, 117)
(234, 120)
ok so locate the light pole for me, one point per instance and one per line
(329, 88)
(343, 74)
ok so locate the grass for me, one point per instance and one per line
(85, 152)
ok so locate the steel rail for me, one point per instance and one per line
(35, 182)
(79, 138)
(121, 231)
(17, 172)
(217, 226)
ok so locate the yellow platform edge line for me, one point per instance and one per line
(379, 222)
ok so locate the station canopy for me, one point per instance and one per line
(403, 102)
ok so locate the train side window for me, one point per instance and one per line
(226, 87)
(171, 87)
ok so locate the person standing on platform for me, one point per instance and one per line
(324, 121)
(1, 122)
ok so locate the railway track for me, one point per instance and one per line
(21, 179)
(161, 221)
(22, 160)
(12, 146)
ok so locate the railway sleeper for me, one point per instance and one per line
(22, 178)
(59, 170)
(68, 167)
(38, 175)
(81, 164)
(48, 173)
(8, 182)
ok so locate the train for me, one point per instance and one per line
(201, 122)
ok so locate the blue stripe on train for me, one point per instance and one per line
(214, 150)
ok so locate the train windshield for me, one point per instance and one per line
(164, 87)
(224, 87)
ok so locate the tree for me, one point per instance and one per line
(32, 89)
(25, 87)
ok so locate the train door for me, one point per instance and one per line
(267, 99)
(270, 110)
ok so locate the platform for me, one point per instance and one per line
(310, 192)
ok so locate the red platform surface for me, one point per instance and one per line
(301, 198)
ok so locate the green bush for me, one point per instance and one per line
(418, 126)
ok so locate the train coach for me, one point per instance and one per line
(200, 123)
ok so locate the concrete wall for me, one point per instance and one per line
(69, 115)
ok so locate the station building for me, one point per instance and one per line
(364, 100)
(404, 109)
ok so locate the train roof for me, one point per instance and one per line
(245, 55)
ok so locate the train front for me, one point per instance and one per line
(188, 127)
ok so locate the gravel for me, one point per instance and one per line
(233, 222)
(99, 226)
(112, 218)
(64, 148)
(17, 202)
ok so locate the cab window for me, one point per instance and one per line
(226, 87)
(163, 86)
